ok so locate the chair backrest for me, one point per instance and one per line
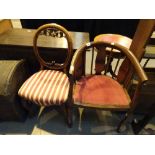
(117, 38)
(110, 46)
(58, 39)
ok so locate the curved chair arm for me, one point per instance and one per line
(139, 70)
(134, 61)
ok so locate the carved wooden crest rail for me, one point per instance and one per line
(53, 33)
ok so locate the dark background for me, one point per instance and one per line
(125, 27)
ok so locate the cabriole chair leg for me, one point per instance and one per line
(80, 117)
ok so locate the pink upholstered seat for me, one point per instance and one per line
(100, 90)
(46, 87)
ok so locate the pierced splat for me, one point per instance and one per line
(100, 61)
(53, 33)
(112, 38)
(103, 61)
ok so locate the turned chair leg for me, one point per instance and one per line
(80, 117)
(69, 115)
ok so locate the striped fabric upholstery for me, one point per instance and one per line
(100, 90)
(46, 87)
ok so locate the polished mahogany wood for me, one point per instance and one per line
(98, 91)
(56, 32)
(116, 38)
(112, 38)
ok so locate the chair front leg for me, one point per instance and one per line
(69, 115)
(80, 117)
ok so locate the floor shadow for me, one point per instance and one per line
(52, 121)
(93, 123)
(19, 128)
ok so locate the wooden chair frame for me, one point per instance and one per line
(137, 67)
(53, 65)
(56, 66)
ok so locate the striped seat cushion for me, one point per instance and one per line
(100, 91)
(46, 87)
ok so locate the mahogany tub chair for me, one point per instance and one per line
(50, 86)
(103, 91)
